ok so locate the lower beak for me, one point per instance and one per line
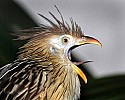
(85, 40)
(81, 74)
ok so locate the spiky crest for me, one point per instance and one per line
(60, 27)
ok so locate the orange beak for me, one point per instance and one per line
(89, 40)
(85, 40)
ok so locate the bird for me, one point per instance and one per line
(43, 69)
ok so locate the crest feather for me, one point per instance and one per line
(61, 27)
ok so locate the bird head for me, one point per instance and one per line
(66, 43)
(55, 42)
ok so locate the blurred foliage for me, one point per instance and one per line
(13, 17)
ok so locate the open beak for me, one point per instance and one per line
(85, 40)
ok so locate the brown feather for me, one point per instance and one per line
(38, 74)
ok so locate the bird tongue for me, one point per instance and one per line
(81, 62)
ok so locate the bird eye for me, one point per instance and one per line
(65, 40)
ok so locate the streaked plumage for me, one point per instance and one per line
(43, 70)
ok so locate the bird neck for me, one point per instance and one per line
(65, 84)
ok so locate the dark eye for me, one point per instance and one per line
(65, 40)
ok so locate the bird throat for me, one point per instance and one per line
(65, 84)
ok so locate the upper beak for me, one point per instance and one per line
(89, 40)
(85, 40)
